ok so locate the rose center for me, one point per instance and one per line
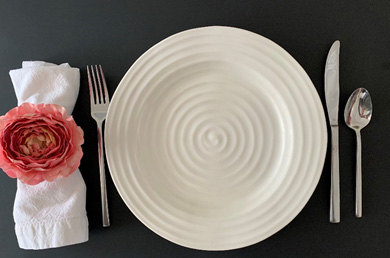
(36, 143)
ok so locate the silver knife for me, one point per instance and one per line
(332, 95)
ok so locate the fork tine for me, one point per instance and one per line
(95, 86)
(106, 97)
(91, 95)
(101, 101)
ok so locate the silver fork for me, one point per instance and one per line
(99, 104)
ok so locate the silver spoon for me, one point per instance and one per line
(357, 115)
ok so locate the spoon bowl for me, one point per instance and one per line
(357, 115)
(358, 110)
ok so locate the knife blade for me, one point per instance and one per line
(332, 95)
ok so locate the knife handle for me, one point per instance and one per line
(335, 178)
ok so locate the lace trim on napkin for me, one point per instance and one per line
(49, 234)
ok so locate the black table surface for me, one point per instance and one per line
(115, 33)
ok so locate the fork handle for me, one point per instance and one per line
(103, 187)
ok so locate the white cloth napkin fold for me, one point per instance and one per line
(50, 214)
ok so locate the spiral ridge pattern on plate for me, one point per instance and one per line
(215, 138)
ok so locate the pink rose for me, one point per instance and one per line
(39, 142)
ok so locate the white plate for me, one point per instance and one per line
(216, 138)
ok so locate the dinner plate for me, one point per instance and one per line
(215, 138)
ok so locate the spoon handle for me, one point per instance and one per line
(358, 204)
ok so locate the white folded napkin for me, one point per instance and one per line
(50, 214)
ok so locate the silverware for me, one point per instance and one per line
(332, 93)
(357, 115)
(99, 105)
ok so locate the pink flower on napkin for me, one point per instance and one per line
(39, 142)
